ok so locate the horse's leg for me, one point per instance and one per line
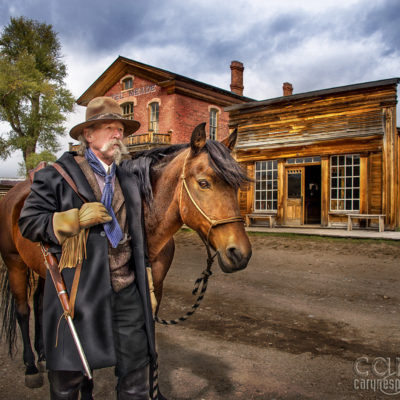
(160, 266)
(38, 311)
(18, 279)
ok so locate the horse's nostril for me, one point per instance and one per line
(234, 254)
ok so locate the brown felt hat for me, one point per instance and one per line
(104, 109)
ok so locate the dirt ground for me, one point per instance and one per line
(310, 318)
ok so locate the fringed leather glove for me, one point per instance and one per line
(69, 223)
(92, 214)
(66, 224)
(70, 228)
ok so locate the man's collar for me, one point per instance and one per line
(105, 166)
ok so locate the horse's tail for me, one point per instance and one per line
(7, 311)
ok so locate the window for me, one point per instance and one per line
(294, 184)
(127, 110)
(345, 182)
(154, 115)
(213, 123)
(266, 186)
(127, 84)
(303, 160)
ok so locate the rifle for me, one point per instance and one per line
(52, 266)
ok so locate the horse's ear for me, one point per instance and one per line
(198, 139)
(230, 141)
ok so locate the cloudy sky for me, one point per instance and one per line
(314, 44)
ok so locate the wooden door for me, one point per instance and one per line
(294, 196)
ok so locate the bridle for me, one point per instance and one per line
(213, 222)
(203, 279)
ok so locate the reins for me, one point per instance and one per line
(203, 279)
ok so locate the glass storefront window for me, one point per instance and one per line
(345, 183)
(266, 186)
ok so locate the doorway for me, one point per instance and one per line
(295, 196)
(312, 194)
(303, 195)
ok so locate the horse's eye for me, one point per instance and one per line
(203, 184)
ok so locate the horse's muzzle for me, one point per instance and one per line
(234, 259)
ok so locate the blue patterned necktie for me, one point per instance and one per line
(112, 228)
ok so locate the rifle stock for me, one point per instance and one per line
(52, 266)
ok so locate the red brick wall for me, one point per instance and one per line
(190, 112)
(178, 113)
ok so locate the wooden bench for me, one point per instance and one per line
(380, 217)
(255, 216)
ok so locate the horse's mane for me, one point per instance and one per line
(146, 163)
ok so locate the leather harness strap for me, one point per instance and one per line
(203, 279)
(212, 222)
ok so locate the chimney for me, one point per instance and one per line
(237, 77)
(287, 89)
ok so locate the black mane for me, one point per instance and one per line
(144, 163)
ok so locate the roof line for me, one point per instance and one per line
(163, 71)
(185, 78)
(314, 93)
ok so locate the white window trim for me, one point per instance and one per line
(149, 111)
(218, 110)
(272, 190)
(125, 78)
(352, 188)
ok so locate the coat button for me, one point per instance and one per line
(102, 233)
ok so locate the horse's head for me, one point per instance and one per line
(208, 198)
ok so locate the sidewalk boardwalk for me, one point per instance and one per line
(332, 232)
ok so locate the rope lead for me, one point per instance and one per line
(204, 280)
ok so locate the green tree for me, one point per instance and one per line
(33, 96)
(33, 160)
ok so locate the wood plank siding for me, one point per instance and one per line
(351, 120)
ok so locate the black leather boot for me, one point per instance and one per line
(135, 385)
(65, 385)
(87, 389)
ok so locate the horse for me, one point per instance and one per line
(193, 184)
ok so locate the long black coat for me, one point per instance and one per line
(51, 193)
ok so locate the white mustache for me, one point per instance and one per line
(118, 151)
(114, 142)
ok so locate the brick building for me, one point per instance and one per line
(167, 105)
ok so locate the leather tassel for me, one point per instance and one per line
(74, 250)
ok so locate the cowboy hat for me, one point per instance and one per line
(104, 109)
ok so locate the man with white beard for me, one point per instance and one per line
(101, 222)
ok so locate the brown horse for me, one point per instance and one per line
(192, 184)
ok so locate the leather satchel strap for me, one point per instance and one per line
(75, 283)
(69, 180)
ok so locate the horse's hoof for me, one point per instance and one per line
(34, 381)
(42, 366)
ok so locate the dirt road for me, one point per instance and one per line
(310, 318)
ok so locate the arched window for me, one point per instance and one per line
(127, 110)
(213, 123)
(127, 83)
(154, 110)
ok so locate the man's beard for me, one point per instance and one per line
(118, 151)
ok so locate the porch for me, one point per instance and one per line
(147, 141)
(328, 232)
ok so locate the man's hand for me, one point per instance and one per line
(92, 214)
(69, 223)
(66, 224)
(153, 299)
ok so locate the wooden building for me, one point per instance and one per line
(321, 156)
(167, 105)
(8, 183)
